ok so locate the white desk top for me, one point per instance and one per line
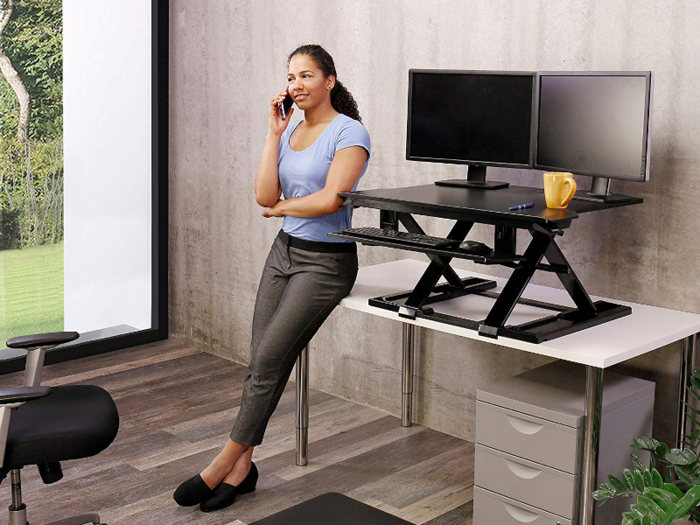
(646, 329)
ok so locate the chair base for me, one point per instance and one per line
(19, 517)
(18, 510)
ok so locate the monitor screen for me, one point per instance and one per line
(470, 117)
(594, 124)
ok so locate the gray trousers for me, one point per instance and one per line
(297, 292)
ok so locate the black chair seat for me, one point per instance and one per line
(72, 422)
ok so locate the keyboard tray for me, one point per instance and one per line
(492, 258)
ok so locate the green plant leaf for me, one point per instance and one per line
(656, 479)
(661, 450)
(632, 519)
(608, 488)
(687, 502)
(669, 475)
(646, 476)
(652, 507)
(600, 495)
(604, 492)
(646, 443)
(645, 516)
(680, 457)
(628, 478)
(695, 434)
(617, 483)
(695, 382)
(638, 480)
(637, 462)
(694, 394)
(629, 518)
(662, 498)
(670, 487)
(639, 509)
(692, 408)
(684, 476)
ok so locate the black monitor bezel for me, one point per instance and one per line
(646, 139)
(533, 117)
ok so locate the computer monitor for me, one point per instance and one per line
(478, 118)
(595, 124)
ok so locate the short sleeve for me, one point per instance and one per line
(353, 133)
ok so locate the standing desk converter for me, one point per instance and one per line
(478, 306)
(468, 206)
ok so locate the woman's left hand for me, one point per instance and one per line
(273, 211)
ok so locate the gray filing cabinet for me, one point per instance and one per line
(529, 433)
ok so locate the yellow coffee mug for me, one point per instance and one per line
(559, 189)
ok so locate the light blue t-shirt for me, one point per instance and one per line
(304, 172)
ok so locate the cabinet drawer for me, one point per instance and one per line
(528, 437)
(532, 483)
(494, 509)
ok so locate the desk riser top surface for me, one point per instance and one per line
(646, 329)
(489, 206)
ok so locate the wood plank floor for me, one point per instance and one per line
(177, 406)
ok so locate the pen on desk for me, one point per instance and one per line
(521, 206)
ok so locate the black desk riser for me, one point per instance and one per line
(468, 206)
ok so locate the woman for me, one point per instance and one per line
(306, 273)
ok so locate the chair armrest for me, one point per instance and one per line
(30, 342)
(36, 347)
(23, 394)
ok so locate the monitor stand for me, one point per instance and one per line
(476, 178)
(600, 192)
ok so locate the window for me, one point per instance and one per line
(83, 215)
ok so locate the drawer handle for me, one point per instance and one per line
(524, 427)
(522, 515)
(522, 471)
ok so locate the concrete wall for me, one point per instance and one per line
(228, 58)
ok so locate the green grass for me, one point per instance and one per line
(31, 291)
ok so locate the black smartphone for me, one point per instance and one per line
(285, 105)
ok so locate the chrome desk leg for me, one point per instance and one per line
(302, 420)
(592, 417)
(688, 362)
(408, 343)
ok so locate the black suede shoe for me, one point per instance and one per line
(225, 494)
(192, 492)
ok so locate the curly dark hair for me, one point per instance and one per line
(341, 99)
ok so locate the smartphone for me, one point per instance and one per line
(285, 105)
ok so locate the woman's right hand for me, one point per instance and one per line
(277, 124)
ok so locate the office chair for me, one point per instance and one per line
(43, 426)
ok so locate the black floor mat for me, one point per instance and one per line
(332, 508)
